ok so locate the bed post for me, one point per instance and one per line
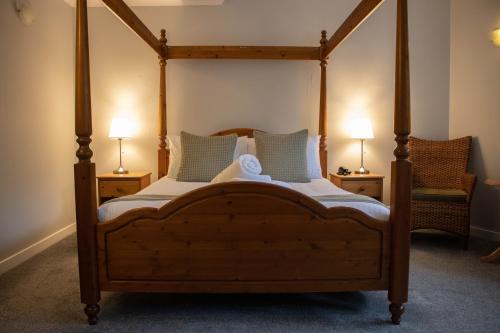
(401, 173)
(162, 111)
(323, 151)
(84, 173)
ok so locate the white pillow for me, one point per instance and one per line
(174, 160)
(313, 163)
(174, 144)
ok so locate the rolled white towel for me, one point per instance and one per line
(245, 167)
(249, 164)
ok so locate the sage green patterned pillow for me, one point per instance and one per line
(203, 157)
(283, 156)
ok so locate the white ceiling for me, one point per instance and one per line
(132, 3)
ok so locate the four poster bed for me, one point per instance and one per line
(242, 237)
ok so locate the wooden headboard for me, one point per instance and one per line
(238, 131)
(164, 154)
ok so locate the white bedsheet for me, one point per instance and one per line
(168, 186)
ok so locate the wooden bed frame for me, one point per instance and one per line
(242, 237)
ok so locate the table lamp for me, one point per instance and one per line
(121, 128)
(362, 129)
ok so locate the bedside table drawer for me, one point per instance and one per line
(118, 188)
(369, 188)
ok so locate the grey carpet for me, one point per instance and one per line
(451, 291)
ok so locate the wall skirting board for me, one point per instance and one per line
(485, 233)
(23, 255)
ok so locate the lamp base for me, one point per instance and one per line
(120, 171)
(362, 171)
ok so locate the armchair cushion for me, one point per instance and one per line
(432, 194)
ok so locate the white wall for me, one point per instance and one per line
(206, 96)
(474, 107)
(36, 124)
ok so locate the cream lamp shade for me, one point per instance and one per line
(121, 128)
(361, 129)
(495, 37)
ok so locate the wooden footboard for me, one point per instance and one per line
(243, 237)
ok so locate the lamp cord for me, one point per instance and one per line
(362, 154)
(120, 145)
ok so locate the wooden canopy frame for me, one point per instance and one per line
(94, 266)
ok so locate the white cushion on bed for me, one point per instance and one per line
(174, 162)
(313, 163)
(174, 144)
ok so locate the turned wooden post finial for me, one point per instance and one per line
(324, 39)
(163, 41)
(323, 42)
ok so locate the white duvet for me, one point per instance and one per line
(169, 186)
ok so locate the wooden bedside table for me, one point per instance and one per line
(371, 184)
(112, 186)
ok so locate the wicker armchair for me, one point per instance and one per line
(442, 188)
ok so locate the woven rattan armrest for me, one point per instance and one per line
(469, 184)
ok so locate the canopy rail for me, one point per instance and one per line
(244, 52)
(127, 16)
(353, 21)
(360, 13)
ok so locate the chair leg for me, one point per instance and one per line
(466, 243)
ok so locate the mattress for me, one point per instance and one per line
(321, 189)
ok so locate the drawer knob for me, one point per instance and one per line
(361, 189)
(119, 190)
